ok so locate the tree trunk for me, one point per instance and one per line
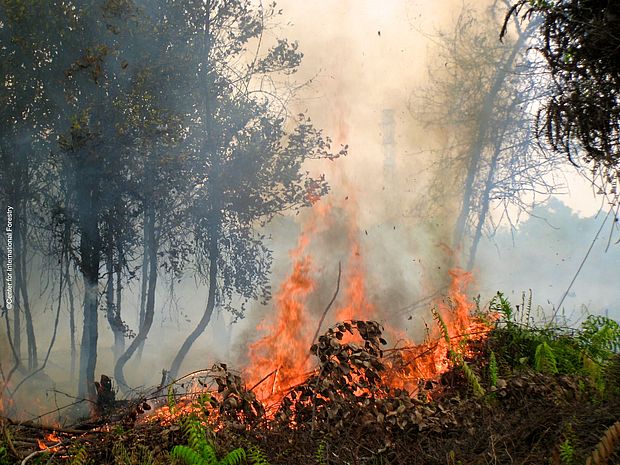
(144, 287)
(214, 227)
(69, 285)
(476, 150)
(118, 315)
(90, 253)
(206, 317)
(21, 288)
(151, 246)
(116, 324)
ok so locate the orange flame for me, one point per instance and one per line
(282, 354)
(280, 359)
(51, 437)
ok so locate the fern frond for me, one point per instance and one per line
(442, 325)
(501, 304)
(257, 456)
(605, 447)
(80, 457)
(320, 453)
(567, 453)
(544, 359)
(234, 457)
(189, 456)
(472, 379)
(172, 405)
(493, 375)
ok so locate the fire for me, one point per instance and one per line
(53, 438)
(279, 360)
(356, 304)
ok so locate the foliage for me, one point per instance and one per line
(554, 349)
(581, 47)
(471, 377)
(321, 450)
(257, 456)
(79, 456)
(4, 455)
(199, 451)
(567, 452)
(493, 373)
(544, 359)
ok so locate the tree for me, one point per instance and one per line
(483, 93)
(248, 165)
(580, 44)
(30, 50)
(95, 188)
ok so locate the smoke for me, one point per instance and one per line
(365, 63)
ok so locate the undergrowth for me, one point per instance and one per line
(588, 350)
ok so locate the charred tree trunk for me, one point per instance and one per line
(151, 246)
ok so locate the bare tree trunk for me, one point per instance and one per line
(476, 150)
(116, 324)
(206, 317)
(71, 316)
(214, 227)
(119, 293)
(22, 288)
(484, 208)
(17, 326)
(90, 252)
(10, 336)
(151, 246)
(144, 287)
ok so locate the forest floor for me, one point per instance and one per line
(521, 395)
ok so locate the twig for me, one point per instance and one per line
(31, 424)
(9, 441)
(38, 452)
(263, 380)
(555, 313)
(318, 329)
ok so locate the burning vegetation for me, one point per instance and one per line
(485, 386)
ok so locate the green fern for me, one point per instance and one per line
(472, 378)
(79, 456)
(320, 453)
(545, 359)
(443, 328)
(199, 451)
(257, 456)
(171, 400)
(493, 372)
(189, 456)
(501, 304)
(567, 453)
